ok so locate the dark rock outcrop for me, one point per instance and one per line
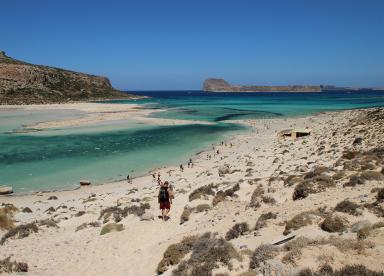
(25, 83)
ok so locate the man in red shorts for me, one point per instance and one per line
(165, 200)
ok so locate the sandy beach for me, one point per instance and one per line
(271, 187)
(94, 113)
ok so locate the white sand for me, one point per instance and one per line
(139, 247)
(95, 113)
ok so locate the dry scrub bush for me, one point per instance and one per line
(111, 227)
(7, 266)
(256, 195)
(202, 191)
(366, 231)
(20, 232)
(333, 224)
(295, 247)
(261, 254)
(262, 220)
(185, 215)
(221, 195)
(6, 221)
(208, 253)
(372, 176)
(175, 253)
(348, 270)
(189, 210)
(292, 180)
(88, 224)
(380, 194)
(300, 220)
(202, 208)
(237, 230)
(348, 207)
(118, 213)
(313, 185)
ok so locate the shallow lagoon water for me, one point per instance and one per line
(59, 158)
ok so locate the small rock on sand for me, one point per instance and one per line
(85, 182)
(147, 216)
(6, 190)
(224, 170)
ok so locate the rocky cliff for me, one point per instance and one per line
(24, 83)
(220, 85)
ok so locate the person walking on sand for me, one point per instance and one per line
(129, 179)
(165, 200)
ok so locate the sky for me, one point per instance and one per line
(171, 45)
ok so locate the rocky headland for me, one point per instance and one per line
(25, 83)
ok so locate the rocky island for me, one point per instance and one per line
(220, 85)
(25, 83)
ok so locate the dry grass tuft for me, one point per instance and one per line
(237, 230)
(296, 246)
(292, 180)
(6, 221)
(313, 185)
(118, 213)
(372, 176)
(262, 220)
(221, 195)
(185, 215)
(268, 200)
(348, 270)
(49, 223)
(356, 270)
(88, 224)
(111, 227)
(256, 195)
(202, 191)
(380, 194)
(20, 232)
(300, 220)
(7, 266)
(202, 208)
(26, 210)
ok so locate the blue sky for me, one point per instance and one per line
(149, 45)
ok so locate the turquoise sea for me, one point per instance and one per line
(58, 159)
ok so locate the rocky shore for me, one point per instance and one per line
(257, 204)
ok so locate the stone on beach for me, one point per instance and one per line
(6, 190)
(85, 182)
(147, 216)
(224, 170)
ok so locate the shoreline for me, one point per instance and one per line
(258, 162)
(245, 122)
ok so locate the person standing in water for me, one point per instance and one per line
(165, 200)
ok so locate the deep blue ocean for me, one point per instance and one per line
(59, 158)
